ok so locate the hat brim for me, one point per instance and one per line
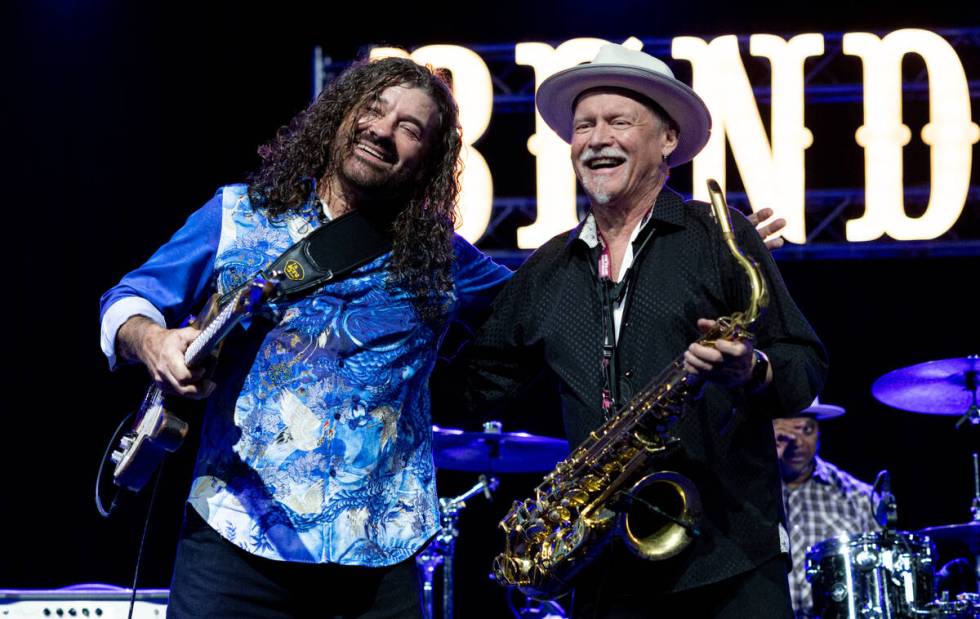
(557, 94)
(822, 411)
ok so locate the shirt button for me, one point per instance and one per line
(629, 374)
(336, 416)
(340, 363)
(333, 472)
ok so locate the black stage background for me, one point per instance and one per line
(127, 116)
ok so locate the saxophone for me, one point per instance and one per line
(604, 488)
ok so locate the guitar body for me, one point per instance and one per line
(156, 431)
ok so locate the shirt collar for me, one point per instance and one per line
(824, 472)
(315, 205)
(589, 231)
(667, 213)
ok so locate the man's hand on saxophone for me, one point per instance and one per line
(729, 363)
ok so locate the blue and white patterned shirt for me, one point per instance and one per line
(316, 444)
(831, 503)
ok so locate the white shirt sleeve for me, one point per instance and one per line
(117, 314)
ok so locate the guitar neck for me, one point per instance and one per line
(214, 331)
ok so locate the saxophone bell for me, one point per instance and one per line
(660, 516)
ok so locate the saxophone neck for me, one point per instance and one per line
(759, 294)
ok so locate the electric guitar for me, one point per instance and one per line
(155, 431)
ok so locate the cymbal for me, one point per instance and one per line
(969, 533)
(944, 387)
(495, 452)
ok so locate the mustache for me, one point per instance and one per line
(606, 151)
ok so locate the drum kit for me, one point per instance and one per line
(890, 574)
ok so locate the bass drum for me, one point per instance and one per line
(880, 575)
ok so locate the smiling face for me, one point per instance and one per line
(618, 147)
(391, 135)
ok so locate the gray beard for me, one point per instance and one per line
(597, 196)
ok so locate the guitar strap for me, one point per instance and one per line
(328, 253)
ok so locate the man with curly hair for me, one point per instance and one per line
(314, 485)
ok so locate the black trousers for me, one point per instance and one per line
(215, 578)
(762, 592)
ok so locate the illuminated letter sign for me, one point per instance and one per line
(950, 135)
(773, 175)
(771, 167)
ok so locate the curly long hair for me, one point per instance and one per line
(305, 152)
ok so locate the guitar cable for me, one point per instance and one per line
(105, 513)
(146, 530)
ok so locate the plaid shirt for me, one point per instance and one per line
(830, 503)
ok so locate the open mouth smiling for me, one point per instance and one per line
(375, 152)
(604, 163)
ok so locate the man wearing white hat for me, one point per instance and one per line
(821, 500)
(605, 307)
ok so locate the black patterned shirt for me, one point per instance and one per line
(548, 323)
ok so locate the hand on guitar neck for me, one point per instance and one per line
(178, 360)
(162, 351)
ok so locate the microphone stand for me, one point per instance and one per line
(972, 413)
(884, 509)
(975, 510)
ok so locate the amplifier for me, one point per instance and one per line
(87, 601)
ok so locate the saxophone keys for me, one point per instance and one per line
(536, 531)
(577, 497)
(612, 468)
(592, 483)
(560, 515)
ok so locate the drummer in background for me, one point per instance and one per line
(821, 500)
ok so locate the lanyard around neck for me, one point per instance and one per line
(611, 294)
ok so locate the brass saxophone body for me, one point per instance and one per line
(605, 487)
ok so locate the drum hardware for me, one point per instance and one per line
(884, 508)
(441, 549)
(967, 533)
(965, 606)
(975, 505)
(488, 452)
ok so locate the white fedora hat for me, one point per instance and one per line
(821, 411)
(618, 67)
